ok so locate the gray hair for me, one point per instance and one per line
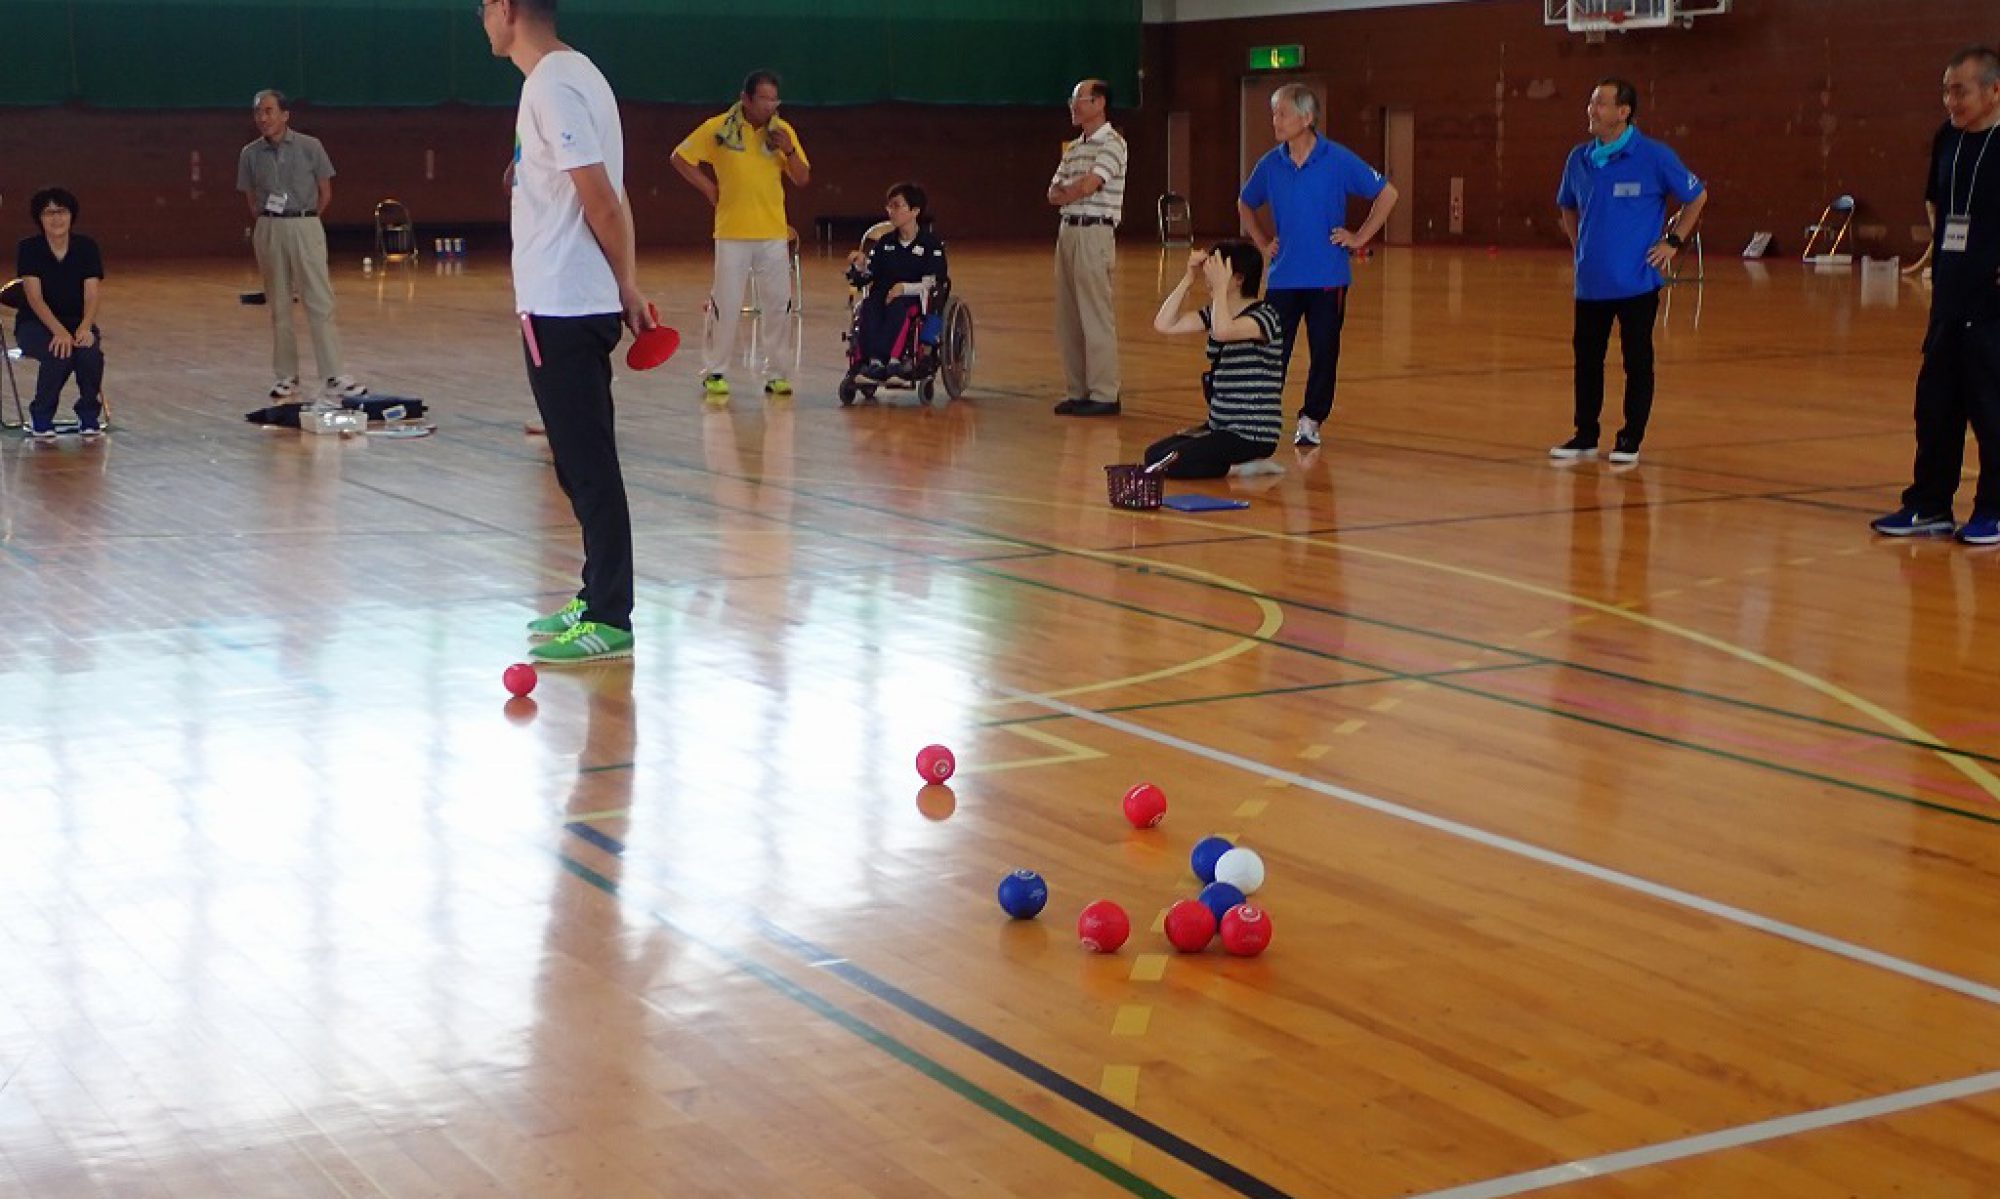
(1989, 63)
(1301, 99)
(283, 102)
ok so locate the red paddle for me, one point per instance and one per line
(654, 346)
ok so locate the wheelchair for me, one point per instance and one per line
(936, 341)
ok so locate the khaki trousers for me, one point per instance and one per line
(291, 253)
(1086, 324)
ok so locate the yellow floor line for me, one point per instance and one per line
(1132, 1021)
(1349, 727)
(1120, 1084)
(1115, 1145)
(1071, 752)
(1385, 704)
(1313, 753)
(1251, 808)
(1971, 769)
(1149, 967)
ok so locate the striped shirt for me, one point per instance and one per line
(1246, 379)
(1102, 153)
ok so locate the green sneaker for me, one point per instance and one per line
(779, 386)
(584, 641)
(714, 384)
(558, 621)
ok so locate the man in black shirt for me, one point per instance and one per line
(60, 271)
(1960, 380)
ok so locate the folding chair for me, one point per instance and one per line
(13, 295)
(395, 233)
(1176, 220)
(1843, 208)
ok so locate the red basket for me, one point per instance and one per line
(1134, 487)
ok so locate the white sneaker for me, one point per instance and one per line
(285, 389)
(344, 387)
(1307, 433)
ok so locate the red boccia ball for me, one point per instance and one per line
(1103, 927)
(935, 763)
(519, 679)
(1246, 930)
(1190, 925)
(1145, 805)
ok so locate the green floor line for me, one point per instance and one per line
(929, 1067)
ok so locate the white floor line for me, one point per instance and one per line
(1728, 1138)
(1548, 857)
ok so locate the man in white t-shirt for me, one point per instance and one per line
(575, 282)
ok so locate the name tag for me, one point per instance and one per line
(1957, 231)
(275, 203)
(1623, 190)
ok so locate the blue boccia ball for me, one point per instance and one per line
(1206, 851)
(1219, 898)
(1023, 895)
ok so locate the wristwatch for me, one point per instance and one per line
(1673, 239)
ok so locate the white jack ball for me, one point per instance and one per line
(1241, 869)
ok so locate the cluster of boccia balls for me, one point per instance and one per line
(1230, 874)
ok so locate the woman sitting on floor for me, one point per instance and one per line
(1245, 380)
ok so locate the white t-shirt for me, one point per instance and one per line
(568, 119)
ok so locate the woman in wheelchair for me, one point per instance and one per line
(900, 275)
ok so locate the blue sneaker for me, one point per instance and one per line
(1908, 522)
(1981, 530)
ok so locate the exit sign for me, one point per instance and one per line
(1277, 58)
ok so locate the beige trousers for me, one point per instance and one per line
(1086, 324)
(291, 253)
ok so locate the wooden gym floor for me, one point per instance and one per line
(1630, 832)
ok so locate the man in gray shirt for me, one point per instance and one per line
(288, 181)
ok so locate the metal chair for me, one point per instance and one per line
(14, 295)
(395, 232)
(1176, 220)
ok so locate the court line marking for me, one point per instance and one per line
(1535, 853)
(1727, 1138)
(910, 1056)
(1070, 751)
(1267, 629)
(1980, 776)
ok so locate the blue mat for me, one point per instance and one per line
(1203, 503)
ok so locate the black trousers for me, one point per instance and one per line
(572, 390)
(85, 362)
(1325, 311)
(1959, 385)
(1635, 316)
(1207, 454)
(882, 321)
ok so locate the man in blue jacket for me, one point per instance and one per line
(1614, 206)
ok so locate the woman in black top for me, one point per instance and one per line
(899, 266)
(60, 271)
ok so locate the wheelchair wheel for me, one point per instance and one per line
(956, 350)
(847, 392)
(927, 391)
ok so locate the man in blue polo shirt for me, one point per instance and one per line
(1307, 180)
(1614, 205)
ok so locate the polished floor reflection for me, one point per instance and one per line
(1630, 832)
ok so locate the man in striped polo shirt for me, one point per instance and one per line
(1089, 192)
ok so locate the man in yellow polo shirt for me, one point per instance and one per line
(749, 152)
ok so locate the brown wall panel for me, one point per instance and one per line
(1780, 105)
